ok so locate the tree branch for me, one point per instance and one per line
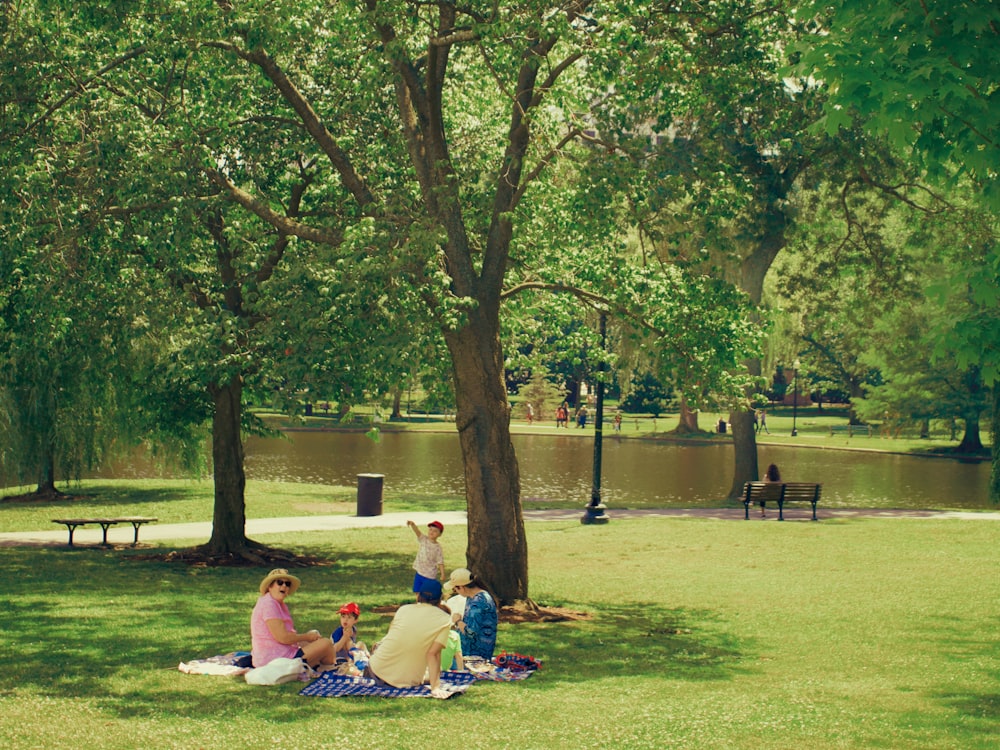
(351, 180)
(82, 85)
(542, 164)
(283, 224)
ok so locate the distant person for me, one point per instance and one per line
(531, 414)
(581, 417)
(618, 421)
(763, 422)
(272, 633)
(410, 653)
(562, 415)
(429, 563)
(770, 475)
(478, 625)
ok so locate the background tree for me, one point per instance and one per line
(925, 75)
(458, 236)
(75, 332)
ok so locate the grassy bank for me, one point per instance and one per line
(873, 633)
(812, 426)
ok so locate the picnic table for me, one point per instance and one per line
(105, 524)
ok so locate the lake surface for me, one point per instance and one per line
(634, 472)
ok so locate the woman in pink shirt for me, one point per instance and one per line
(272, 633)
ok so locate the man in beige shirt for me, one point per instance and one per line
(412, 648)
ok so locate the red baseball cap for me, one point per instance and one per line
(437, 525)
(350, 609)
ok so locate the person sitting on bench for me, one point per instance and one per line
(771, 475)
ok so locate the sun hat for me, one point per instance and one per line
(350, 609)
(437, 525)
(279, 573)
(459, 577)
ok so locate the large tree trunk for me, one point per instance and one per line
(752, 273)
(397, 400)
(497, 549)
(229, 519)
(971, 441)
(45, 430)
(688, 421)
(47, 472)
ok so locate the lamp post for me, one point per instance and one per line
(795, 397)
(595, 510)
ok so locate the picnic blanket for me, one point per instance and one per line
(333, 685)
(233, 664)
(503, 668)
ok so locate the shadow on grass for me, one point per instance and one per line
(101, 626)
(967, 645)
(107, 494)
(644, 639)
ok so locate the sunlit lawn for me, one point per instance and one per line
(871, 633)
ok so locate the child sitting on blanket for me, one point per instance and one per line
(345, 638)
(352, 655)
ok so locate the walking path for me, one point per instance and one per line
(257, 527)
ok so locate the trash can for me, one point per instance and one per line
(370, 494)
(722, 426)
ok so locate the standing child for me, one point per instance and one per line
(429, 563)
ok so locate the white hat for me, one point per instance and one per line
(459, 577)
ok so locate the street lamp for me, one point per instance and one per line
(595, 510)
(795, 397)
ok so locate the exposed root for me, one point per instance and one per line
(528, 611)
(252, 555)
(522, 611)
(48, 495)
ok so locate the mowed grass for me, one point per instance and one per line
(867, 633)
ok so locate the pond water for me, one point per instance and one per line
(635, 473)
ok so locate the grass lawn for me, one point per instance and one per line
(868, 633)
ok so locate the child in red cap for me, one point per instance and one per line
(345, 637)
(429, 563)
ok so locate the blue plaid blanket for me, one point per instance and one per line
(332, 685)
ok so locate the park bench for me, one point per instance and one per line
(105, 524)
(781, 493)
(851, 430)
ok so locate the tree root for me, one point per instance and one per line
(522, 611)
(47, 495)
(527, 610)
(251, 555)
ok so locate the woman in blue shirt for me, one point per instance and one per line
(478, 625)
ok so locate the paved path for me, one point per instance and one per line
(257, 527)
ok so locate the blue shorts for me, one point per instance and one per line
(419, 581)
